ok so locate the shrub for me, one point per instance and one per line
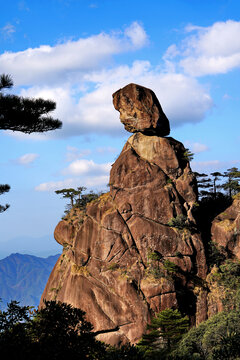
(178, 222)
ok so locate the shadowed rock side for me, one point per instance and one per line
(226, 229)
(140, 110)
(118, 256)
(225, 233)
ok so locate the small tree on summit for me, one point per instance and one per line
(77, 198)
(23, 114)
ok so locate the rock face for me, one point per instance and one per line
(140, 110)
(225, 233)
(226, 229)
(123, 259)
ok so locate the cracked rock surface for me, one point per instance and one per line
(121, 260)
(140, 110)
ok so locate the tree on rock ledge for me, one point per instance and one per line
(23, 114)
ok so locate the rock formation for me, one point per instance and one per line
(225, 234)
(140, 110)
(226, 229)
(135, 250)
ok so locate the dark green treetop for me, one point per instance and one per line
(23, 114)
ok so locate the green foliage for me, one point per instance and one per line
(188, 155)
(77, 198)
(215, 339)
(170, 267)
(56, 331)
(124, 352)
(14, 328)
(113, 266)
(25, 115)
(154, 255)
(227, 276)
(232, 185)
(154, 259)
(210, 185)
(165, 330)
(216, 254)
(178, 222)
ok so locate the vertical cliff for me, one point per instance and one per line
(135, 250)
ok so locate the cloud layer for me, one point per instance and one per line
(69, 61)
(211, 50)
(81, 75)
(93, 175)
(27, 159)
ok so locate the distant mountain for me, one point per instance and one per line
(43, 246)
(23, 278)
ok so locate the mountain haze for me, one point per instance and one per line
(23, 277)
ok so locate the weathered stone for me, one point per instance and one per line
(64, 233)
(226, 229)
(106, 269)
(140, 110)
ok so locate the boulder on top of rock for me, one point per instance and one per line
(140, 110)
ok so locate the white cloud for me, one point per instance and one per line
(74, 153)
(226, 97)
(213, 165)
(195, 146)
(77, 76)
(58, 185)
(106, 149)
(84, 167)
(7, 31)
(95, 176)
(27, 159)
(94, 182)
(183, 100)
(212, 50)
(136, 34)
(69, 61)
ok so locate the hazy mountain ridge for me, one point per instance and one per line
(23, 278)
(42, 246)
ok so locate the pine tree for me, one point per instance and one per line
(166, 329)
(232, 185)
(216, 177)
(23, 114)
(204, 183)
(69, 193)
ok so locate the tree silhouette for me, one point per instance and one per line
(166, 329)
(232, 185)
(69, 193)
(77, 198)
(57, 331)
(3, 189)
(23, 114)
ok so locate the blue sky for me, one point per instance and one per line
(78, 52)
